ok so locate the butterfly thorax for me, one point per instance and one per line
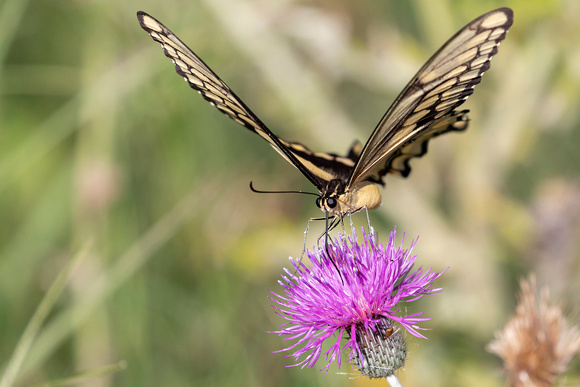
(336, 199)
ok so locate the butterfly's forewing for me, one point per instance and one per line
(201, 78)
(425, 107)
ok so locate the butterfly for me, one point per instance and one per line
(424, 109)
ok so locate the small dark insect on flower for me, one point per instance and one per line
(380, 354)
(361, 301)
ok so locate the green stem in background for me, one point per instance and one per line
(33, 328)
(123, 268)
(84, 376)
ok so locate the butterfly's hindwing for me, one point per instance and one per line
(440, 86)
(327, 166)
(398, 164)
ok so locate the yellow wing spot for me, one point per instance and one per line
(466, 56)
(213, 96)
(487, 47)
(214, 89)
(194, 80)
(494, 20)
(190, 62)
(298, 147)
(346, 161)
(155, 35)
(441, 114)
(251, 122)
(151, 24)
(452, 93)
(171, 51)
(325, 156)
(224, 109)
(455, 72)
(428, 102)
(416, 117)
(198, 74)
(443, 87)
(239, 121)
(469, 75)
(234, 106)
(430, 76)
(478, 39)
(181, 64)
(315, 169)
(166, 40)
(357, 148)
(496, 33)
(479, 61)
(444, 105)
(460, 125)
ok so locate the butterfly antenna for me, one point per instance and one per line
(283, 192)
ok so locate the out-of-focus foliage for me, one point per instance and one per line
(103, 145)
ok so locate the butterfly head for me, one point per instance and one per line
(327, 204)
(339, 200)
(329, 199)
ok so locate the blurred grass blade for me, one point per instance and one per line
(10, 15)
(143, 249)
(33, 327)
(85, 376)
(123, 76)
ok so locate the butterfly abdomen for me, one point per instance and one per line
(365, 195)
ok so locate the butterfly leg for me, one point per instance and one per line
(306, 234)
(368, 218)
(351, 223)
(341, 220)
(305, 237)
(329, 227)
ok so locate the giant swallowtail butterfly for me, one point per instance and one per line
(424, 109)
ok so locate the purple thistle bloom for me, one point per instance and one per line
(358, 301)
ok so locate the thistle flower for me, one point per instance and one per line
(354, 290)
(537, 343)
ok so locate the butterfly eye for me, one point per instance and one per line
(318, 203)
(331, 202)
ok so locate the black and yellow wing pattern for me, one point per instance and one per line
(424, 109)
(318, 168)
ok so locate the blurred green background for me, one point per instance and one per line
(110, 161)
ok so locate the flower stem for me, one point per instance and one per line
(393, 381)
